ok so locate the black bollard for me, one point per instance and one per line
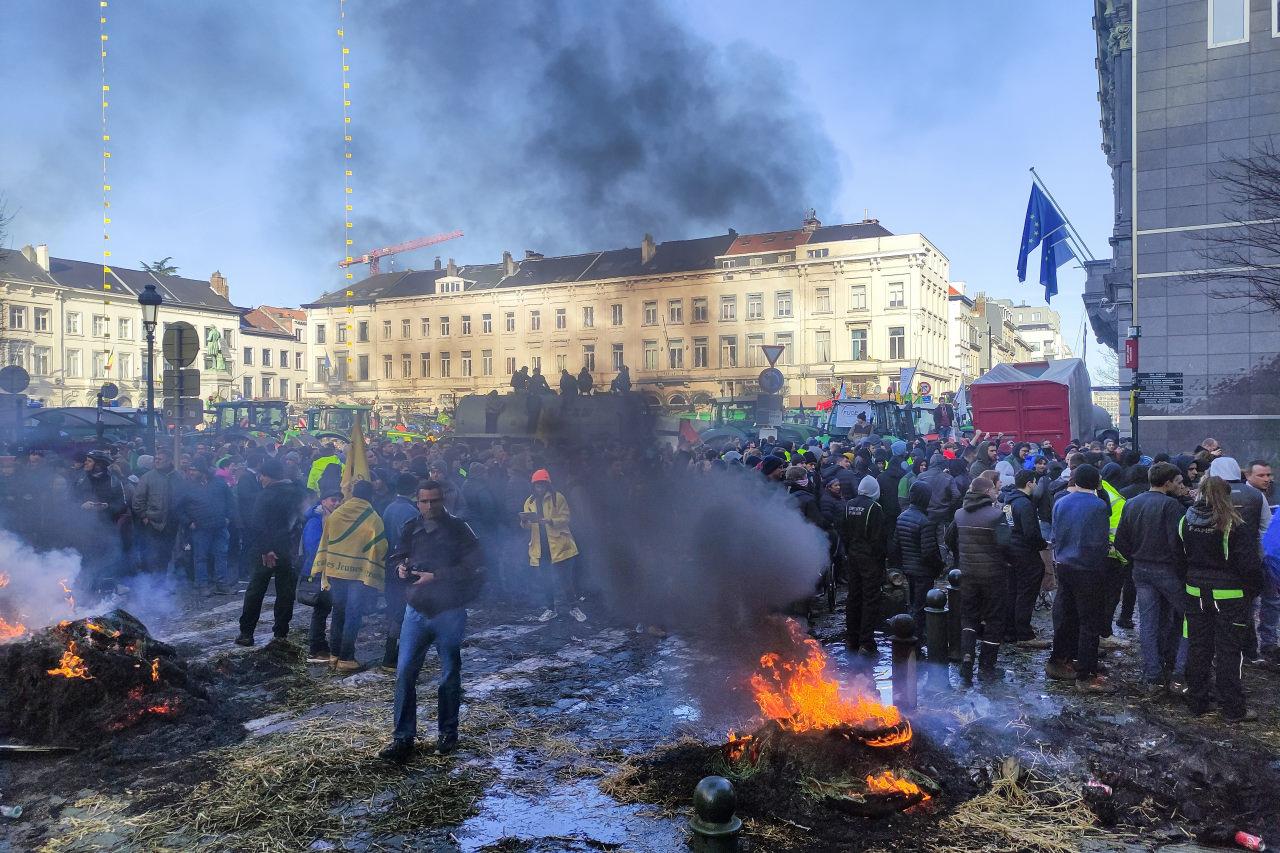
(714, 826)
(953, 617)
(935, 625)
(903, 672)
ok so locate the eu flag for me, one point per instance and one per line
(1044, 227)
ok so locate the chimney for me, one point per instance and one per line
(647, 249)
(811, 221)
(437, 262)
(508, 264)
(42, 256)
(29, 253)
(218, 283)
(452, 270)
(531, 255)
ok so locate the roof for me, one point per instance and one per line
(279, 314)
(773, 241)
(14, 266)
(186, 292)
(866, 230)
(254, 321)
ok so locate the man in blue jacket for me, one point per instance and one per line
(1081, 542)
(402, 509)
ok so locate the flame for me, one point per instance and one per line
(737, 748)
(157, 708)
(801, 697)
(66, 593)
(71, 665)
(155, 669)
(4, 579)
(11, 631)
(102, 629)
(887, 783)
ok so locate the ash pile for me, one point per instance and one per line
(78, 681)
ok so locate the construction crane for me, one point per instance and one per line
(372, 258)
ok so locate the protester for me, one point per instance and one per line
(312, 531)
(272, 527)
(551, 546)
(206, 507)
(1026, 568)
(973, 539)
(402, 510)
(864, 535)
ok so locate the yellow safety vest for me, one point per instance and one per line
(1117, 507)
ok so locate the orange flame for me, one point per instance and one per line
(71, 665)
(887, 783)
(801, 697)
(158, 708)
(155, 669)
(737, 748)
(11, 631)
(66, 593)
(102, 629)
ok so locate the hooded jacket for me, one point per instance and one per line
(555, 510)
(1248, 501)
(1024, 523)
(863, 529)
(1217, 560)
(943, 492)
(915, 540)
(972, 538)
(981, 463)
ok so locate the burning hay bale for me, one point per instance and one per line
(75, 681)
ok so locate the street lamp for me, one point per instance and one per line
(150, 301)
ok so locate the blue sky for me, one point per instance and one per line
(560, 126)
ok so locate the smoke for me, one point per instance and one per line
(34, 587)
(555, 126)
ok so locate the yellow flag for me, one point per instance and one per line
(357, 467)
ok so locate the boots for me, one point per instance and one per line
(987, 669)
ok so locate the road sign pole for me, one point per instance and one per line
(1131, 359)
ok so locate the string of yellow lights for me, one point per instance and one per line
(106, 147)
(348, 213)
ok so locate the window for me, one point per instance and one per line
(284, 389)
(73, 322)
(322, 369)
(227, 345)
(562, 320)
(99, 326)
(535, 361)
(588, 317)
(857, 297)
(1228, 22)
(675, 354)
(320, 333)
(616, 312)
(406, 366)
(1035, 316)
(297, 361)
(362, 332)
(42, 318)
(444, 327)
(650, 355)
(896, 298)
(787, 342)
(700, 309)
(651, 313)
(617, 357)
(266, 386)
(822, 300)
(897, 343)
(387, 368)
(466, 362)
(74, 366)
(562, 361)
(386, 330)
(344, 368)
(362, 368)
(466, 324)
(343, 328)
(535, 321)
(40, 361)
(248, 387)
(822, 346)
(406, 328)
(266, 357)
(817, 253)
(17, 317)
(444, 365)
(782, 303)
(17, 358)
(728, 308)
(755, 306)
(511, 364)
(426, 327)
(100, 360)
(426, 365)
(729, 351)
(858, 345)
(284, 359)
(589, 357)
(486, 324)
(248, 356)
(297, 335)
(675, 310)
(510, 320)
(755, 355)
(700, 352)
(124, 329)
(486, 362)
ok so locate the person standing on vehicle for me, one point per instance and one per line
(272, 524)
(862, 530)
(442, 564)
(1222, 572)
(153, 501)
(972, 538)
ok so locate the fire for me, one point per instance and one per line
(101, 629)
(71, 665)
(66, 593)
(887, 783)
(11, 631)
(801, 697)
(737, 748)
(155, 669)
(155, 708)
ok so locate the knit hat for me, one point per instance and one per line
(732, 456)
(898, 447)
(541, 476)
(1086, 477)
(1226, 468)
(336, 493)
(771, 464)
(869, 487)
(1007, 474)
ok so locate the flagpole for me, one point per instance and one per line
(1073, 233)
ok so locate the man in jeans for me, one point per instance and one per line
(206, 507)
(442, 562)
(154, 499)
(402, 509)
(1148, 538)
(1081, 541)
(271, 526)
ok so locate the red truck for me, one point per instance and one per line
(1037, 401)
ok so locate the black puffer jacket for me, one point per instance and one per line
(1019, 509)
(916, 545)
(943, 492)
(972, 538)
(1216, 560)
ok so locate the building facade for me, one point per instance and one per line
(273, 355)
(1205, 90)
(73, 333)
(984, 333)
(852, 303)
(1041, 327)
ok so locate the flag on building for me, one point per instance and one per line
(1046, 227)
(357, 467)
(844, 391)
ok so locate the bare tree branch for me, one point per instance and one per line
(1243, 260)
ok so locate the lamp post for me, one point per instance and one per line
(150, 301)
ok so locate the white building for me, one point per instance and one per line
(1041, 327)
(273, 354)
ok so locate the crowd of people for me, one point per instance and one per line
(1175, 546)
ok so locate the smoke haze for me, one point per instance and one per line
(34, 595)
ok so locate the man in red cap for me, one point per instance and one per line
(551, 546)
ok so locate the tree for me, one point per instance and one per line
(1243, 260)
(160, 267)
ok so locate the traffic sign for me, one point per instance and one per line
(1161, 396)
(14, 379)
(773, 352)
(1109, 388)
(924, 389)
(181, 382)
(181, 343)
(771, 380)
(109, 391)
(1152, 380)
(187, 411)
(769, 410)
